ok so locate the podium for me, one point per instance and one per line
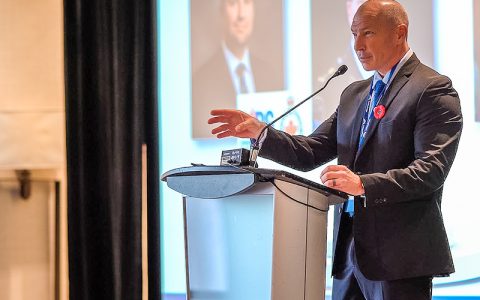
(253, 233)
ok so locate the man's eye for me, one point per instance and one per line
(368, 32)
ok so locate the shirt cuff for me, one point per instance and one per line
(261, 139)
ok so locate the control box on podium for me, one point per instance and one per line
(253, 233)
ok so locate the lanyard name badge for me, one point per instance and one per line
(376, 94)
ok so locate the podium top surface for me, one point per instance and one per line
(239, 179)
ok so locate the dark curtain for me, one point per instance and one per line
(111, 110)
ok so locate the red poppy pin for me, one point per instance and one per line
(379, 112)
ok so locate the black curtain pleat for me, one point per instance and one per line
(111, 110)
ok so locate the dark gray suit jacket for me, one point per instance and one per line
(403, 164)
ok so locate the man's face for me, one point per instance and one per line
(374, 41)
(238, 19)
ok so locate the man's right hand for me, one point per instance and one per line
(235, 123)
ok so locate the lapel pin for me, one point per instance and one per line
(379, 112)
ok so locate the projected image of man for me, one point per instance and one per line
(238, 19)
(234, 68)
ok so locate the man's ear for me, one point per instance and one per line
(402, 32)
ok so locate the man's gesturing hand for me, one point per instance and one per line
(235, 123)
(341, 178)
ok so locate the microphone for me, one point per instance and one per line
(254, 151)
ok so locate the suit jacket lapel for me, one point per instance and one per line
(398, 82)
(357, 122)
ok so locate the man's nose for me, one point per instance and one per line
(359, 44)
(240, 9)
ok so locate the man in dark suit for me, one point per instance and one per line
(233, 69)
(395, 136)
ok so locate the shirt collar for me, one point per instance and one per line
(233, 61)
(388, 78)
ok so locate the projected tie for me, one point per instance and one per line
(241, 78)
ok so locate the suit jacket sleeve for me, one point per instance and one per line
(303, 153)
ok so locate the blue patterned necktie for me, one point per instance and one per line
(348, 206)
(368, 115)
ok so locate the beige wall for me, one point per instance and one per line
(27, 234)
(31, 54)
(32, 136)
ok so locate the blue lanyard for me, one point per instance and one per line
(367, 115)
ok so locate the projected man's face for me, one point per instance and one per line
(238, 22)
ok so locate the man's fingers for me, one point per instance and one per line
(341, 173)
(333, 168)
(228, 113)
(334, 183)
(332, 175)
(220, 128)
(220, 112)
(326, 177)
(219, 119)
(325, 170)
(225, 134)
(227, 130)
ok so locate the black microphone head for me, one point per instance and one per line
(341, 70)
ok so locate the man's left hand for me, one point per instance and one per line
(341, 178)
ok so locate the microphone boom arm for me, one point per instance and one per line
(254, 151)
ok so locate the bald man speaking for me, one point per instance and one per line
(395, 136)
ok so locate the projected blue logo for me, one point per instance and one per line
(264, 116)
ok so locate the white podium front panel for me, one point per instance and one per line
(268, 242)
(229, 247)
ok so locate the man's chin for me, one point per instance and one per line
(367, 67)
(237, 43)
(241, 41)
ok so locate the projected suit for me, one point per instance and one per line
(212, 87)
